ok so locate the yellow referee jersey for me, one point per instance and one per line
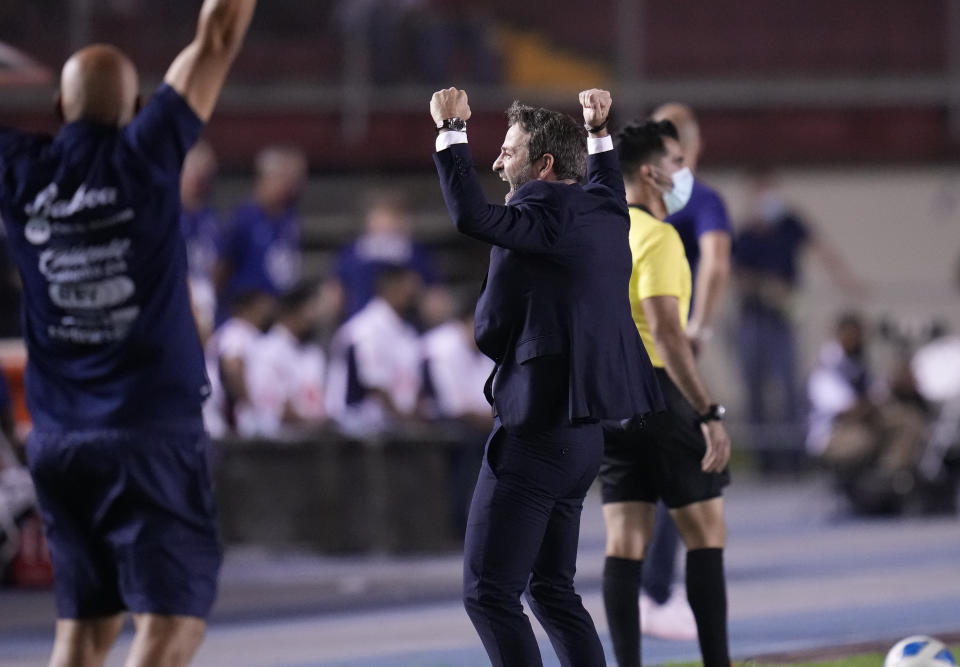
(660, 268)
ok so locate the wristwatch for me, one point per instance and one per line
(455, 124)
(596, 128)
(714, 413)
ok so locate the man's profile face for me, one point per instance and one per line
(668, 164)
(513, 163)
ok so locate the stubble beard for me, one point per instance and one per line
(516, 184)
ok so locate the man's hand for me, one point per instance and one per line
(697, 336)
(596, 106)
(718, 446)
(449, 103)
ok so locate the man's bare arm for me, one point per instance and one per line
(712, 276)
(663, 316)
(200, 70)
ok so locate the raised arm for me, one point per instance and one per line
(603, 165)
(533, 221)
(200, 70)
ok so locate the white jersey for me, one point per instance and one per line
(374, 349)
(457, 369)
(283, 374)
(233, 339)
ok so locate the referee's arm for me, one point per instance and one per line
(663, 317)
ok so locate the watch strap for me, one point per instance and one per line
(455, 124)
(714, 413)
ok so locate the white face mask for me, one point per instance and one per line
(678, 197)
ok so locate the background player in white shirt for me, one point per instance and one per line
(227, 354)
(375, 359)
(286, 369)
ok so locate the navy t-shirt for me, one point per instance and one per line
(359, 266)
(772, 248)
(92, 217)
(262, 251)
(705, 212)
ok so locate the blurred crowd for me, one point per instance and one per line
(375, 345)
(891, 439)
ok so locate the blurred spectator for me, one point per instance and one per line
(841, 384)
(455, 372)
(17, 495)
(438, 306)
(386, 242)
(227, 354)
(201, 231)
(871, 439)
(9, 292)
(458, 370)
(767, 254)
(286, 368)
(375, 359)
(261, 248)
(704, 228)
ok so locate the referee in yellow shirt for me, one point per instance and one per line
(681, 455)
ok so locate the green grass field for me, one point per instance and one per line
(862, 660)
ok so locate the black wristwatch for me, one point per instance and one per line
(598, 128)
(454, 124)
(714, 413)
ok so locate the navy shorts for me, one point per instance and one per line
(129, 518)
(661, 459)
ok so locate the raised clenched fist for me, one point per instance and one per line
(596, 106)
(449, 103)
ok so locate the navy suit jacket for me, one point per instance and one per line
(555, 313)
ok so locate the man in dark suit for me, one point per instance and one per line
(555, 317)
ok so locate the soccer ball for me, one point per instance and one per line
(919, 651)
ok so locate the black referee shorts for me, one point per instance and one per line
(661, 458)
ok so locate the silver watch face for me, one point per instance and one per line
(456, 124)
(721, 412)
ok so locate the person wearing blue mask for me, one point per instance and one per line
(705, 229)
(115, 378)
(678, 456)
(703, 224)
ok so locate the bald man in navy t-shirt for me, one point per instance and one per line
(115, 379)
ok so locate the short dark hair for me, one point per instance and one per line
(555, 133)
(639, 143)
(389, 273)
(297, 296)
(848, 319)
(246, 299)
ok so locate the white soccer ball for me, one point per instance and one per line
(919, 651)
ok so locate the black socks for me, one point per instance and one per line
(707, 594)
(621, 592)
